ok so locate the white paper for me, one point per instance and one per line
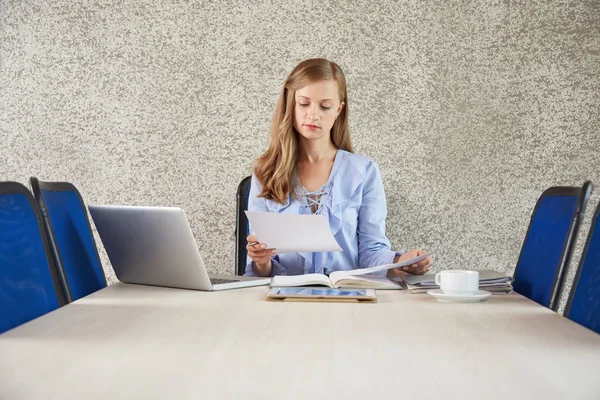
(385, 267)
(291, 233)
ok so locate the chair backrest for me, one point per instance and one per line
(29, 285)
(583, 305)
(71, 239)
(242, 226)
(548, 245)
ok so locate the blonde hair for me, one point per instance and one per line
(275, 169)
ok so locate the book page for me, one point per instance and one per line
(301, 280)
(342, 280)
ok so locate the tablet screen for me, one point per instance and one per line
(317, 292)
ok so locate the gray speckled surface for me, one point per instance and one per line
(471, 108)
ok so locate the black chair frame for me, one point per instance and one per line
(241, 224)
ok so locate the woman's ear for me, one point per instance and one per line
(339, 110)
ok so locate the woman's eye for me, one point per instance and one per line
(303, 105)
(325, 108)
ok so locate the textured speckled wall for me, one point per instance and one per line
(471, 108)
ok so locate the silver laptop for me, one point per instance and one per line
(155, 246)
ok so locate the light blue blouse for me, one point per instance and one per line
(354, 204)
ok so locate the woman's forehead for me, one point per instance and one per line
(320, 91)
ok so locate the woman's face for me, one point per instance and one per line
(317, 107)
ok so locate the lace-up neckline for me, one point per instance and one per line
(316, 200)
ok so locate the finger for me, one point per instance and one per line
(255, 245)
(253, 241)
(409, 268)
(423, 270)
(261, 253)
(417, 268)
(417, 271)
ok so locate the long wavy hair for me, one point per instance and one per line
(276, 168)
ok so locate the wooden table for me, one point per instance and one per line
(141, 342)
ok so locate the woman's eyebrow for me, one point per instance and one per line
(308, 98)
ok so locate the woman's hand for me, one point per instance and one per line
(420, 268)
(261, 255)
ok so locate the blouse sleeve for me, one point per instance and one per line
(373, 244)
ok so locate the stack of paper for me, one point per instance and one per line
(489, 280)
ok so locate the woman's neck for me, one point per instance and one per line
(313, 152)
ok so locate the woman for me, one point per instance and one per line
(310, 168)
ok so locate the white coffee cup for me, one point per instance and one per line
(458, 282)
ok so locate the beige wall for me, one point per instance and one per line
(471, 108)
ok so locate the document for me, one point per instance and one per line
(489, 280)
(293, 233)
(385, 267)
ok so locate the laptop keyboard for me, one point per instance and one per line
(216, 281)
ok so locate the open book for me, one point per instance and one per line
(336, 280)
(353, 279)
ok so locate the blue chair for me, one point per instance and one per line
(549, 242)
(71, 238)
(583, 305)
(29, 285)
(242, 225)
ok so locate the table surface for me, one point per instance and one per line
(142, 342)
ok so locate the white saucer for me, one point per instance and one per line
(479, 295)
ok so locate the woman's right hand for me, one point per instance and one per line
(260, 254)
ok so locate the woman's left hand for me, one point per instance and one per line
(420, 268)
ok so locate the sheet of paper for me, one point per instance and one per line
(385, 267)
(290, 233)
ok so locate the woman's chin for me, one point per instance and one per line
(312, 135)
